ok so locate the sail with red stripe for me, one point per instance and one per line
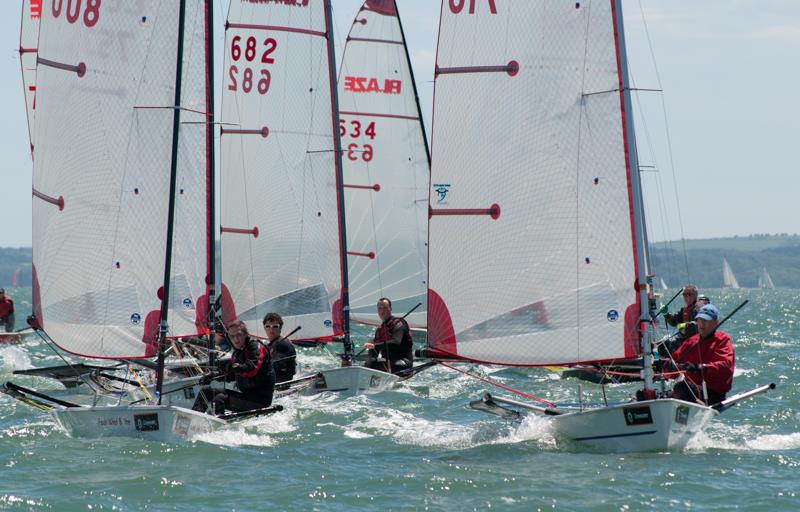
(104, 135)
(533, 244)
(386, 167)
(280, 238)
(28, 49)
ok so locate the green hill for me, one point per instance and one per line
(747, 255)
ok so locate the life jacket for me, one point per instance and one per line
(6, 306)
(257, 379)
(385, 333)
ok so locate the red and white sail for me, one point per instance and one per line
(386, 168)
(279, 218)
(28, 42)
(532, 245)
(106, 77)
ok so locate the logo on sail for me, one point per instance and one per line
(187, 303)
(441, 190)
(136, 319)
(613, 315)
(364, 84)
(327, 323)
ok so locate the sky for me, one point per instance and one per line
(723, 130)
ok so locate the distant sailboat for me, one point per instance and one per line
(663, 284)
(764, 280)
(728, 279)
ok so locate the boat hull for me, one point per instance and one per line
(652, 425)
(10, 338)
(160, 423)
(354, 380)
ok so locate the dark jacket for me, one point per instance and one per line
(393, 340)
(684, 315)
(251, 367)
(284, 359)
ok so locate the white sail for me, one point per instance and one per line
(28, 41)
(385, 166)
(279, 217)
(663, 284)
(532, 253)
(104, 121)
(728, 279)
(764, 280)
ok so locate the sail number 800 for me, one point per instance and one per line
(91, 15)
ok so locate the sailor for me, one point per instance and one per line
(6, 311)
(683, 320)
(392, 348)
(284, 356)
(251, 367)
(707, 360)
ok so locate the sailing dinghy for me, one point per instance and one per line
(284, 187)
(533, 142)
(765, 281)
(121, 194)
(386, 167)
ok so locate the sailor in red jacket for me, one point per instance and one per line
(707, 359)
(6, 311)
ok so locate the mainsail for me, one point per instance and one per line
(28, 41)
(534, 207)
(104, 127)
(728, 279)
(386, 167)
(765, 281)
(280, 235)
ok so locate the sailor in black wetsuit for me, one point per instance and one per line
(392, 348)
(250, 366)
(284, 356)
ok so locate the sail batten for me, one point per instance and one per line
(530, 188)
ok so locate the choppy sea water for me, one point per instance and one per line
(417, 447)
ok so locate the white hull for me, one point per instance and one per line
(355, 380)
(94, 390)
(653, 425)
(152, 422)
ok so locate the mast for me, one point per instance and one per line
(647, 309)
(347, 358)
(176, 121)
(414, 85)
(210, 192)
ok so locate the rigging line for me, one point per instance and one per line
(49, 342)
(502, 386)
(659, 189)
(669, 141)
